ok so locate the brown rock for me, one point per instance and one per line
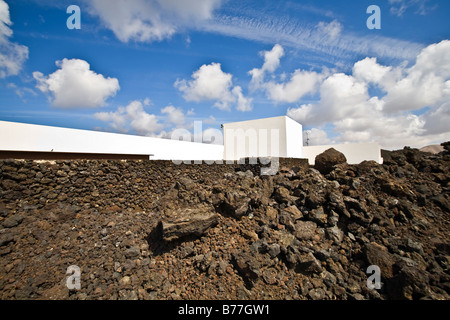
(271, 213)
(186, 222)
(379, 256)
(325, 161)
(305, 230)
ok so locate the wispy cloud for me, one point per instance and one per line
(399, 7)
(329, 40)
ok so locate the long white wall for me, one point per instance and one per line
(29, 137)
(287, 143)
(354, 152)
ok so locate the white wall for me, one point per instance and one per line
(28, 137)
(354, 152)
(294, 138)
(276, 137)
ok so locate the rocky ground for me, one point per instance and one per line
(305, 233)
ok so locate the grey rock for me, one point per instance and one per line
(234, 203)
(5, 238)
(187, 222)
(414, 246)
(409, 283)
(308, 264)
(4, 212)
(13, 221)
(333, 219)
(269, 276)
(329, 279)
(305, 230)
(246, 264)
(335, 234)
(132, 252)
(318, 216)
(317, 294)
(356, 296)
(322, 255)
(274, 250)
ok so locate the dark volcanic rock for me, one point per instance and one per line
(305, 230)
(186, 222)
(379, 256)
(326, 161)
(13, 221)
(157, 230)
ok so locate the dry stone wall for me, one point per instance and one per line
(157, 230)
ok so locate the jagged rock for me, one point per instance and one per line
(246, 264)
(235, 203)
(187, 222)
(282, 195)
(4, 212)
(305, 230)
(379, 256)
(409, 282)
(325, 161)
(318, 216)
(274, 250)
(308, 264)
(132, 252)
(269, 276)
(302, 262)
(294, 212)
(271, 213)
(13, 221)
(335, 234)
(5, 238)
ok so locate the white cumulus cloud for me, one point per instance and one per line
(271, 63)
(175, 116)
(151, 20)
(75, 85)
(132, 117)
(244, 104)
(411, 106)
(12, 55)
(210, 83)
(425, 83)
(300, 83)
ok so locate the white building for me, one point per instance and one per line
(271, 137)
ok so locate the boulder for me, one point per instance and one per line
(186, 222)
(379, 256)
(325, 161)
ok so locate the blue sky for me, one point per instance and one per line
(149, 66)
